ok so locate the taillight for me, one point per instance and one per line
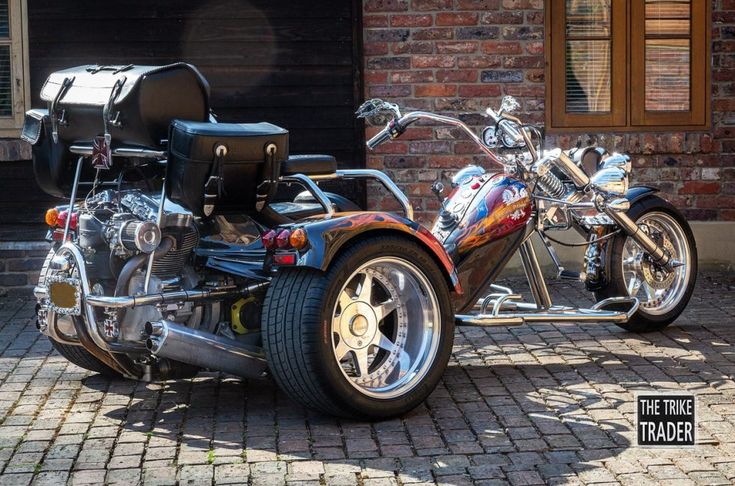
(52, 216)
(298, 239)
(269, 240)
(282, 240)
(284, 259)
(61, 220)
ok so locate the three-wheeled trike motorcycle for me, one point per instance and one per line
(176, 249)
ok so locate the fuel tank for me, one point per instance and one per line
(482, 224)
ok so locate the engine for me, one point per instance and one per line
(116, 226)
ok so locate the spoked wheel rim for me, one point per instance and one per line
(658, 291)
(386, 327)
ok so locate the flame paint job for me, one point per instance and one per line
(327, 235)
(492, 214)
(501, 206)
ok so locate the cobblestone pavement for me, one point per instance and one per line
(530, 405)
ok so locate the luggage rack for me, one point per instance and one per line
(135, 152)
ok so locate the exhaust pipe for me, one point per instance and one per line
(171, 340)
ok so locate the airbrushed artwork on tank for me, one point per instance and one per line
(501, 207)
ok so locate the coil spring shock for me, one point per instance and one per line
(551, 185)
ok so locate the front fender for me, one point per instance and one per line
(328, 235)
(637, 193)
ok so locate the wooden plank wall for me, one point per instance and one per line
(292, 63)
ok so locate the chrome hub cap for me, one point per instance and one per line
(385, 327)
(658, 290)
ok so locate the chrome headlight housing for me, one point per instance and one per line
(611, 181)
(620, 161)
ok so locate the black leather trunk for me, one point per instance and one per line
(224, 167)
(134, 104)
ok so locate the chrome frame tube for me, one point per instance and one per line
(633, 230)
(372, 174)
(73, 198)
(152, 256)
(315, 191)
(535, 276)
(135, 152)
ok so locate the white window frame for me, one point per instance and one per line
(18, 29)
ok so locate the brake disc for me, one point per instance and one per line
(655, 276)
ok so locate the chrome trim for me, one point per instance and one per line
(159, 224)
(633, 230)
(535, 276)
(171, 340)
(553, 314)
(135, 152)
(372, 174)
(315, 191)
(130, 301)
(73, 198)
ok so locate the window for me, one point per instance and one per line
(628, 64)
(13, 66)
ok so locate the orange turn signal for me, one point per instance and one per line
(298, 239)
(52, 217)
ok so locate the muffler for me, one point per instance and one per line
(171, 340)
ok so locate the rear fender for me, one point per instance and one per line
(328, 235)
(637, 193)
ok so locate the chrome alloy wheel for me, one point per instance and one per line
(386, 327)
(658, 290)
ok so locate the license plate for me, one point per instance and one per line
(64, 295)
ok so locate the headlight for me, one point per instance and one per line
(612, 181)
(617, 160)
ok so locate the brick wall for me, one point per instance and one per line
(460, 56)
(20, 264)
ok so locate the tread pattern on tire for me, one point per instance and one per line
(296, 291)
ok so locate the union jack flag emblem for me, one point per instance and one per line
(101, 153)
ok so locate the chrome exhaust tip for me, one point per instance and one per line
(152, 344)
(154, 328)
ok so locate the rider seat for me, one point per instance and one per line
(310, 165)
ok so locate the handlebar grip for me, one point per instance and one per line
(382, 136)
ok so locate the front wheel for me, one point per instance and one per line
(369, 338)
(663, 295)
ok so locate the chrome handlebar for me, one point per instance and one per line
(394, 128)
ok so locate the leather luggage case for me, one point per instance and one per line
(223, 167)
(53, 165)
(134, 104)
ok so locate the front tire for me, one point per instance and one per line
(663, 296)
(369, 338)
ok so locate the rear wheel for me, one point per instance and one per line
(369, 338)
(663, 294)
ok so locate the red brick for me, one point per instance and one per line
(462, 18)
(479, 90)
(478, 4)
(411, 20)
(375, 48)
(700, 187)
(410, 77)
(429, 147)
(375, 77)
(478, 61)
(457, 76)
(431, 4)
(496, 18)
(440, 33)
(435, 90)
(375, 21)
(389, 91)
(448, 161)
(433, 61)
(414, 47)
(523, 4)
(456, 47)
(385, 5)
(536, 48)
(499, 47)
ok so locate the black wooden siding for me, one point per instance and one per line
(289, 62)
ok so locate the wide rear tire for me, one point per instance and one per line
(344, 347)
